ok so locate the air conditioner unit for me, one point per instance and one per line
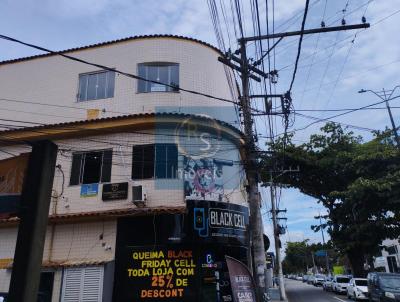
(138, 197)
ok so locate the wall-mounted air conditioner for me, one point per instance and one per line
(138, 196)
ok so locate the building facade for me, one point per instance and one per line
(149, 191)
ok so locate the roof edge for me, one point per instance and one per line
(102, 126)
(131, 38)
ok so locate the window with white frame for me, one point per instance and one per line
(165, 73)
(96, 85)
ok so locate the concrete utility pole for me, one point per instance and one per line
(274, 211)
(256, 224)
(35, 203)
(386, 95)
(323, 242)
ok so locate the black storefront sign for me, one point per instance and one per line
(115, 191)
(211, 220)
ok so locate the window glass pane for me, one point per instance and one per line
(91, 89)
(361, 282)
(172, 161)
(154, 74)
(110, 84)
(167, 73)
(142, 73)
(45, 286)
(106, 167)
(137, 162)
(148, 161)
(101, 85)
(92, 167)
(82, 87)
(161, 161)
(174, 76)
(163, 77)
(75, 169)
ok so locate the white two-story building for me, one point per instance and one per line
(149, 191)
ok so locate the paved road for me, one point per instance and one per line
(298, 291)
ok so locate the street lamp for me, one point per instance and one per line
(386, 95)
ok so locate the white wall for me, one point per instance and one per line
(72, 242)
(167, 193)
(54, 80)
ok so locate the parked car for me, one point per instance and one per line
(340, 283)
(327, 285)
(319, 280)
(357, 289)
(310, 279)
(299, 278)
(384, 287)
(305, 278)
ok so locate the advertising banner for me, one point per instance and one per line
(159, 273)
(12, 174)
(218, 221)
(203, 179)
(242, 284)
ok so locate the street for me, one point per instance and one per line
(298, 291)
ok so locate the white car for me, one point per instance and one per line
(319, 280)
(340, 283)
(357, 289)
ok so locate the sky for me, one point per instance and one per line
(333, 67)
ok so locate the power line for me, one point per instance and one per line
(286, 46)
(341, 114)
(358, 73)
(303, 23)
(343, 109)
(341, 123)
(313, 57)
(350, 36)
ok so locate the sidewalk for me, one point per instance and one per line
(275, 294)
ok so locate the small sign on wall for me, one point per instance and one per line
(115, 191)
(89, 190)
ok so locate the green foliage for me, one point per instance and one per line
(299, 256)
(358, 182)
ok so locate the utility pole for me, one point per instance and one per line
(274, 211)
(34, 213)
(276, 230)
(256, 224)
(386, 95)
(315, 268)
(323, 242)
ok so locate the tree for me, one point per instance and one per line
(299, 256)
(357, 182)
